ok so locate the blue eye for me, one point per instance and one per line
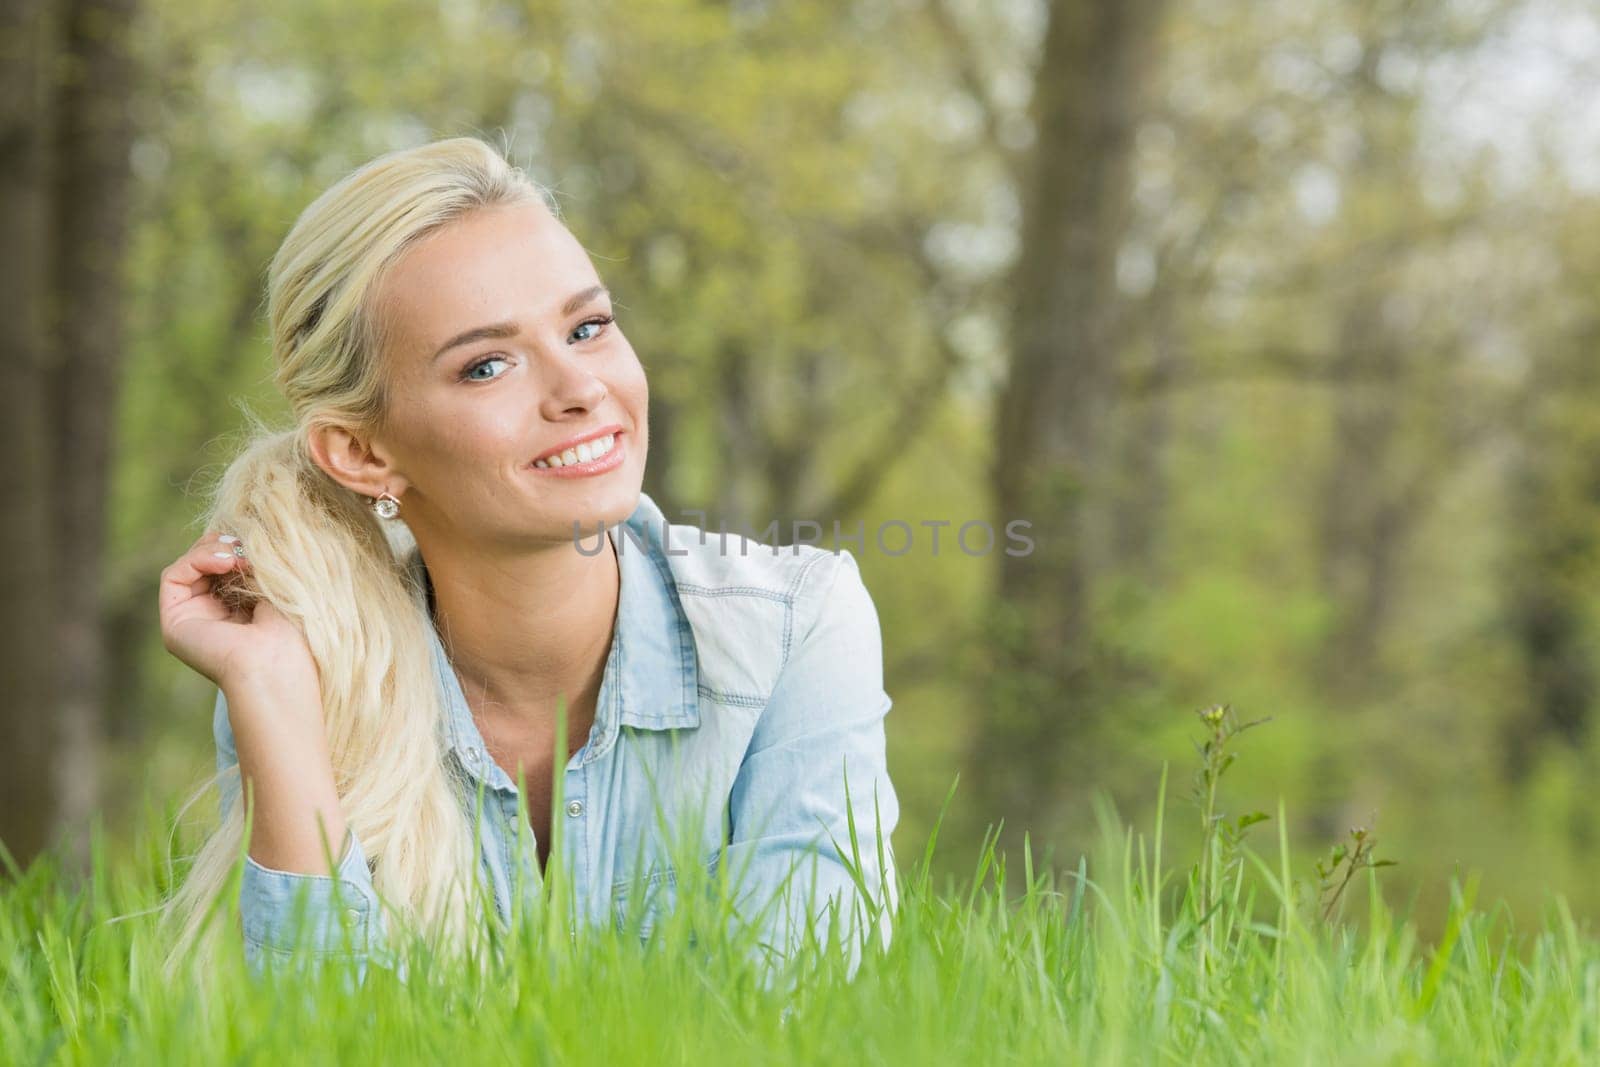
(598, 323)
(466, 375)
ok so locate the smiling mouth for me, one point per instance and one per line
(587, 452)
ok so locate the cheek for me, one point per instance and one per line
(464, 443)
(632, 385)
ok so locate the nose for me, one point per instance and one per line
(571, 389)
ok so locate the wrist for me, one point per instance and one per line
(274, 700)
(270, 682)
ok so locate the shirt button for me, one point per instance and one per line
(575, 809)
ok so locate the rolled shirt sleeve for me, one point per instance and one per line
(287, 914)
(820, 737)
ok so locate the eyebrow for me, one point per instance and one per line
(510, 329)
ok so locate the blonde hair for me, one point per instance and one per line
(321, 557)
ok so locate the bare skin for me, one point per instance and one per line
(526, 617)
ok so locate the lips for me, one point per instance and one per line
(571, 444)
(589, 459)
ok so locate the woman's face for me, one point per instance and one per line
(502, 352)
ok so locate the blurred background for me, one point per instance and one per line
(1277, 321)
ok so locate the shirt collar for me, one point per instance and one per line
(651, 678)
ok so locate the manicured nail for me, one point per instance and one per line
(227, 539)
(223, 555)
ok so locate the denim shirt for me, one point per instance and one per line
(743, 685)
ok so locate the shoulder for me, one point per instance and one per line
(751, 605)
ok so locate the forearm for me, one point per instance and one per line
(287, 911)
(285, 764)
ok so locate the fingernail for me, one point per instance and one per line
(223, 555)
(227, 539)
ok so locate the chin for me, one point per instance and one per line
(611, 504)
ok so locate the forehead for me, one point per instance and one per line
(510, 262)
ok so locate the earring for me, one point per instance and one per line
(387, 505)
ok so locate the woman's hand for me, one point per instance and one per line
(215, 620)
(212, 620)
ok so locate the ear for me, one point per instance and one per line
(354, 461)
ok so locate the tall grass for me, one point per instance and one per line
(1125, 959)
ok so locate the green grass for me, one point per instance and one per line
(1127, 959)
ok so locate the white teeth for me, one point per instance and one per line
(584, 453)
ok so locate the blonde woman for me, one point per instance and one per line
(395, 596)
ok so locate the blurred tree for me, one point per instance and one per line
(1374, 485)
(27, 738)
(1552, 559)
(1050, 418)
(74, 151)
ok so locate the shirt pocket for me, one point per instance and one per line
(639, 905)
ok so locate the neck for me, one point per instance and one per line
(528, 631)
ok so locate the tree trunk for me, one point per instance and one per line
(94, 134)
(1363, 524)
(1143, 485)
(1554, 490)
(68, 128)
(26, 720)
(1050, 414)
